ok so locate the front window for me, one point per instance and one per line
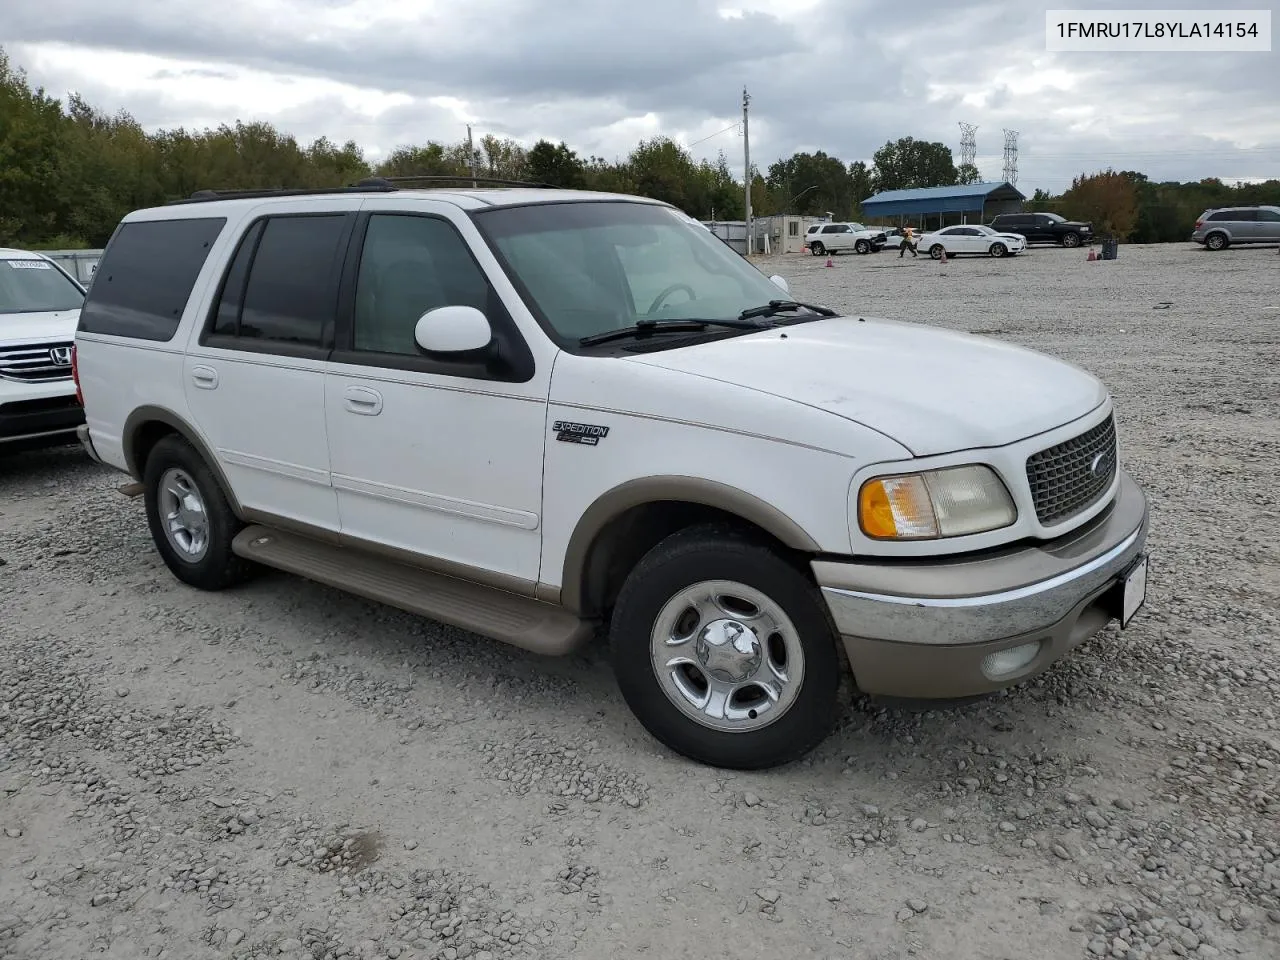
(36, 286)
(591, 267)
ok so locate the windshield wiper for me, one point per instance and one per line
(662, 326)
(775, 307)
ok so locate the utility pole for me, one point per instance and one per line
(746, 166)
(471, 156)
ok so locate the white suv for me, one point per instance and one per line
(824, 238)
(532, 413)
(39, 306)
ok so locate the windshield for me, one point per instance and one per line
(1055, 217)
(983, 228)
(591, 267)
(36, 286)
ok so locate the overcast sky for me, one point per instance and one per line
(842, 76)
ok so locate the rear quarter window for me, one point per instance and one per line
(146, 275)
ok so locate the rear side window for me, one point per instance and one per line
(281, 286)
(145, 277)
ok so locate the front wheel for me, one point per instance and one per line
(999, 249)
(817, 249)
(862, 246)
(1071, 240)
(936, 251)
(725, 652)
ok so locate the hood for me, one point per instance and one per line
(38, 327)
(934, 391)
(1011, 236)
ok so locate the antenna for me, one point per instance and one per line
(1011, 157)
(746, 167)
(968, 144)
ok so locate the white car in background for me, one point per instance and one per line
(39, 308)
(824, 238)
(971, 238)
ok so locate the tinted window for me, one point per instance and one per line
(410, 265)
(830, 229)
(290, 295)
(232, 295)
(1269, 216)
(145, 277)
(35, 286)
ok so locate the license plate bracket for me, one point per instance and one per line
(1132, 589)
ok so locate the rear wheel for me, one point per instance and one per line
(725, 652)
(817, 249)
(191, 521)
(1216, 241)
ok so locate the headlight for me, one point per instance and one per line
(938, 503)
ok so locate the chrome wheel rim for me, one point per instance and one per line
(727, 656)
(183, 514)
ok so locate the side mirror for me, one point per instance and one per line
(453, 330)
(781, 282)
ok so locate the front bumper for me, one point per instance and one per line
(35, 414)
(925, 628)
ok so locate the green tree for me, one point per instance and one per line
(1108, 199)
(908, 162)
(967, 173)
(555, 164)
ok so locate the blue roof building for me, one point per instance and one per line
(961, 203)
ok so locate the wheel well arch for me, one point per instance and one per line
(148, 425)
(622, 525)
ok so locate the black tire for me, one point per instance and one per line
(936, 251)
(817, 249)
(998, 249)
(218, 568)
(1216, 241)
(1071, 239)
(862, 246)
(717, 552)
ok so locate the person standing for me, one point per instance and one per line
(908, 242)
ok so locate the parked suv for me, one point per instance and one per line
(1218, 229)
(1044, 228)
(39, 306)
(823, 238)
(535, 413)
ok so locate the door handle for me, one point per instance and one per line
(362, 400)
(206, 378)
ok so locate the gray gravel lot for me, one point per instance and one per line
(283, 769)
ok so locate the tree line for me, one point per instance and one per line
(68, 173)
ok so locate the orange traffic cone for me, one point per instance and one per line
(829, 263)
(944, 255)
(1092, 255)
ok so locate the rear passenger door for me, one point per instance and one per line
(254, 377)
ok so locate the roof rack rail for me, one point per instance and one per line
(460, 178)
(366, 185)
(206, 196)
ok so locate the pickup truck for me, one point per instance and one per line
(1044, 228)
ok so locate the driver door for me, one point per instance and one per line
(431, 456)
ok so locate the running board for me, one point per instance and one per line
(520, 621)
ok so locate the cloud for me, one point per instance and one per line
(842, 76)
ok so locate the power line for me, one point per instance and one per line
(732, 126)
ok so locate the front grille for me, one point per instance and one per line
(1070, 477)
(36, 362)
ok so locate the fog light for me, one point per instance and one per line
(1004, 662)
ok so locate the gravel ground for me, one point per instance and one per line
(286, 770)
